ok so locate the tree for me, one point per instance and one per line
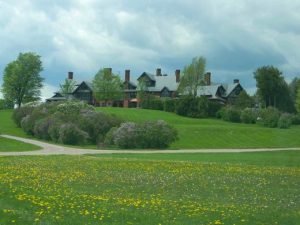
(107, 86)
(243, 100)
(4, 104)
(272, 88)
(193, 76)
(22, 80)
(68, 87)
(298, 101)
(293, 87)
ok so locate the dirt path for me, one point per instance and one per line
(51, 149)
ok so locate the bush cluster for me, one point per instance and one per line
(199, 107)
(157, 134)
(70, 122)
(77, 123)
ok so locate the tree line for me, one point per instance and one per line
(22, 83)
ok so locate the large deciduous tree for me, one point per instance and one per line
(107, 86)
(22, 80)
(193, 76)
(272, 88)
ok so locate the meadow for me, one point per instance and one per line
(213, 133)
(111, 190)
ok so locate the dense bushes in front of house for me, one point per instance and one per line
(199, 107)
(77, 123)
(151, 134)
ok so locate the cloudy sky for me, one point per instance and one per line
(83, 36)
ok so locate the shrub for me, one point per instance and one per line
(155, 134)
(20, 113)
(296, 119)
(213, 108)
(153, 103)
(248, 116)
(126, 135)
(146, 135)
(54, 128)
(269, 117)
(187, 106)
(169, 105)
(97, 124)
(109, 137)
(70, 134)
(29, 121)
(285, 121)
(41, 128)
(69, 111)
(231, 114)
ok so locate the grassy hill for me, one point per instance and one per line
(194, 133)
(213, 133)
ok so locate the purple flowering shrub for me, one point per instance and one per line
(151, 134)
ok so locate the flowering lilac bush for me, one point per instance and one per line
(151, 134)
(70, 134)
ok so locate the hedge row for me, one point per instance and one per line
(269, 117)
(189, 106)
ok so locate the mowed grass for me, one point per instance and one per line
(7, 126)
(9, 145)
(277, 158)
(213, 133)
(98, 190)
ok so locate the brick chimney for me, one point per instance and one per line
(236, 81)
(70, 75)
(177, 74)
(207, 78)
(127, 75)
(158, 72)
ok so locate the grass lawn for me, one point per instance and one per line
(7, 126)
(278, 158)
(181, 189)
(9, 145)
(213, 133)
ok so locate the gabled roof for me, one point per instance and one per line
(88, 84)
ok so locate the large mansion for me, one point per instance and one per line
(158, 85)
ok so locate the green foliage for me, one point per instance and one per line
(298, 101)
(192, 107)
(107, 86)
(67, 87)
(269, 117)
(6, 104)
(213, 108)
(97, 124)
(193, 76)
(296, 119)
(272, 88)
(147, 135)
(169, 105)
(70, 134)
(231, 114)
(152, 103)
(21, 80)
(249, 115)
(243, 100)
(285, 121)
(20, 113)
